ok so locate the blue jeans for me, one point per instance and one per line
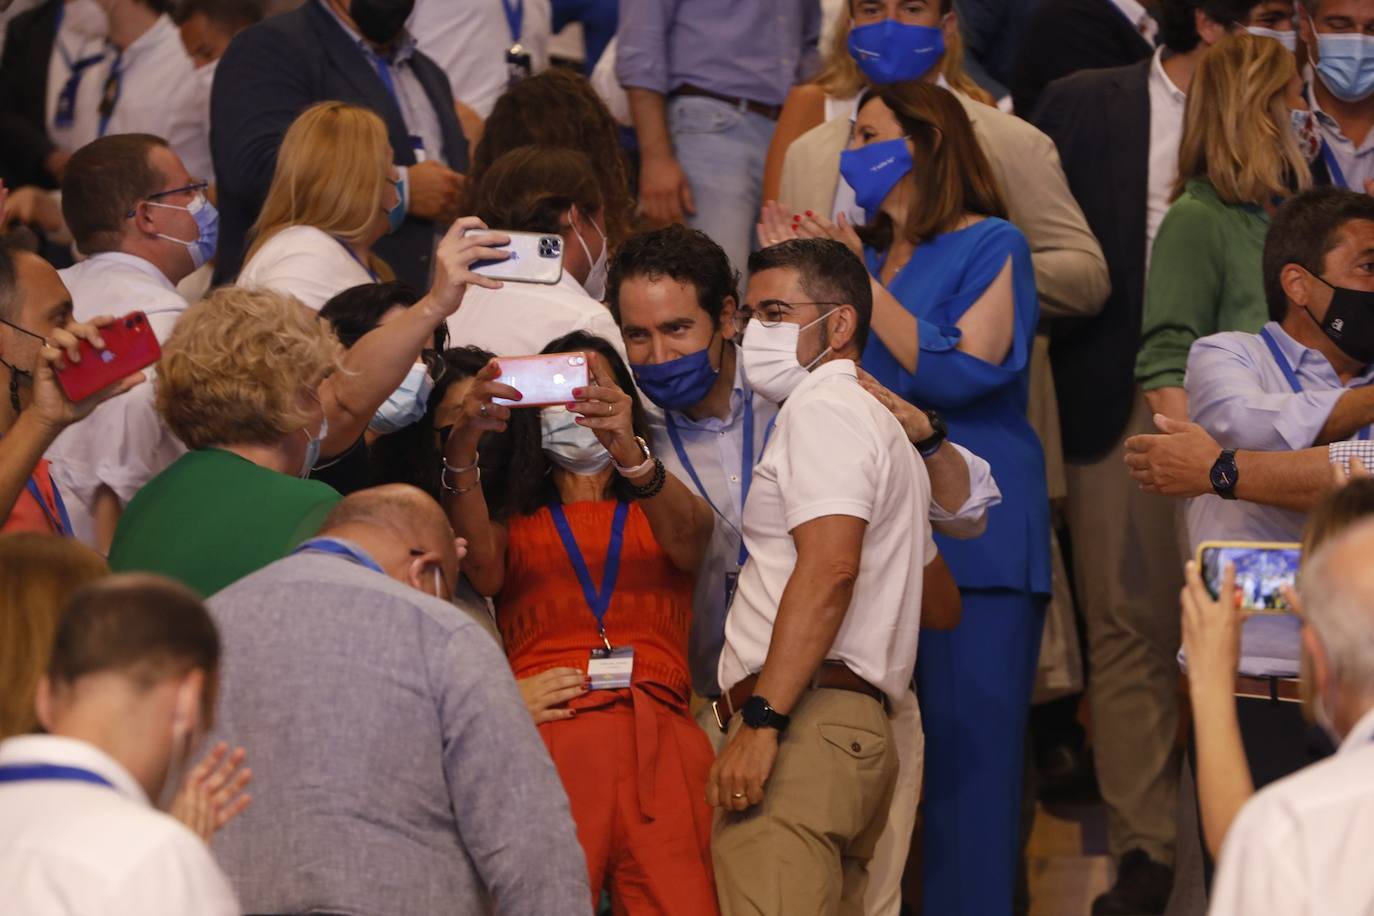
(721, 149)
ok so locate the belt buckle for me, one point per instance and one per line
(723, 725)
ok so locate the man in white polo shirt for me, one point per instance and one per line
(129, 685)
(821, 635)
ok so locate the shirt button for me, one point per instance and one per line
(856, 747)
(734, 478)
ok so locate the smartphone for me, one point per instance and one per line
(534, 258)
(130, 345)
(1262, 569)
(543, 380)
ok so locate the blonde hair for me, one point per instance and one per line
(841, 77)
(38, 573)
(1236, 130)
(236, 364)
(332, 170)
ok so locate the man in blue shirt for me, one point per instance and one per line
(706, 81)
(674, 295)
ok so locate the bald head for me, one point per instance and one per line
(404, 530)
(1337, 587)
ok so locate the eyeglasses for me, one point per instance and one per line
(197, 187)
(770, 312)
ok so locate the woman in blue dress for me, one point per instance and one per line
(954, 317)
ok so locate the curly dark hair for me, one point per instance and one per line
(525, 485)
(558, 108)
(685, 255)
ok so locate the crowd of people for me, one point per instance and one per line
(905, 354)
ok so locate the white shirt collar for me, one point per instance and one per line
(55, 749)
(403, 51)
(1360, 736)
(834, 368)
(162, 30)
(142, 265)
(1160, 78)
(569, 282)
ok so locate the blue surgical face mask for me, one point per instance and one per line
(891, 52)
(1346, 65)
(679, 383)
(202, 247)
(874, 170)
(407, 403)
(312, 448)
(1288, 39)
(396, 216)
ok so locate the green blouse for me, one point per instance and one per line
(1205, 277)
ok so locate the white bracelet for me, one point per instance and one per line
(476, 457)
(643, 467)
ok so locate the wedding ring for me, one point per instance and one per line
(738, 795)
(482, 409)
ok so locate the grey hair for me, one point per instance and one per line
(1337, 592)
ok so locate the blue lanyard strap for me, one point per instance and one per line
(1289, 375)
(1334, 167)
(354, 255)
(21, 772)
(747, 461)
(383, 73)
(61, 522)
(598, 602)
(339, 549)
(515, 17)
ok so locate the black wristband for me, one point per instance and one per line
(655, 484)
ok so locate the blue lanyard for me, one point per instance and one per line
(1289, 375)
(65, 115)
(50, 771)
(61, 522)
(339, 549)
(515, 17)
(747, 462)
(598, 602)
(354, 255)
(417, 144)
(1334, 167)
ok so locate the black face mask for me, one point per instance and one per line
(1349, 322)
(380, 21)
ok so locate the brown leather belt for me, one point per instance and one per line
(1268, 688)
(770, 112)
(830, 675)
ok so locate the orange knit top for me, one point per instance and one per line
(543, 614)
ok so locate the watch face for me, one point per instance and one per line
(755, 712)
(1222, 479)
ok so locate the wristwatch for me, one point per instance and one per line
(931, 444)
(758, 714)
(1225, 474)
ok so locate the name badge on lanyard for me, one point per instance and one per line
(610, 667)
(519, 65)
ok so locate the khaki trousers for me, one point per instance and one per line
(1128, 572)
(883, 897)
(805, 849)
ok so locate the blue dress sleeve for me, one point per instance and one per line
(947, 377)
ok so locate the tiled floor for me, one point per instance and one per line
(1068, 860)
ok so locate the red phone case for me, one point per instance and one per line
(130, 345)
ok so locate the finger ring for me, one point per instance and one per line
(737, 795)
(610, 409)
(482, 409)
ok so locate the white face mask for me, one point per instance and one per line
(571, 446)
(312, 448)
(407, 403)
(1288, 39)
(770, 360)
(86, 19)
(595, 284)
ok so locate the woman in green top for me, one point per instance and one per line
(1241, 156)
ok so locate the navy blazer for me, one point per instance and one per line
(272, 72)
(1066, 36)
(24, 140)
(1100, 122)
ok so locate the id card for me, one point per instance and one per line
(610, 669)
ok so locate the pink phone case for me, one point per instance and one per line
(543, 380)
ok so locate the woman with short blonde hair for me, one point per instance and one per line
(334, 194)
(1239, 159)
(240, 384)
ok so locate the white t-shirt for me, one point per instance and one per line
(1167, 103)
(189, 133)
(520, 319)
(81, 849)
(469, 40)
(1300, 847)
(836, 451)
(123, 444)
(307, 263)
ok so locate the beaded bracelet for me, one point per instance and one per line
(655, 484)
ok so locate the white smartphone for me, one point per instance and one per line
(535, 257)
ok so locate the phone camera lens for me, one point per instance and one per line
(576, 360)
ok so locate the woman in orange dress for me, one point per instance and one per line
(590, 549)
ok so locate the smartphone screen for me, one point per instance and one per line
(546, 379)
(1261, 572)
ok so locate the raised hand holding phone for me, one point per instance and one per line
(50, 405)
(467, 241)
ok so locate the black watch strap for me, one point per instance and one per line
(757, 713)
(931, 444)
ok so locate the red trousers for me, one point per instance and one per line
(635, 772)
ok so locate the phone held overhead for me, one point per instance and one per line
(535, 257)
(544, 380)
(1262, 570)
